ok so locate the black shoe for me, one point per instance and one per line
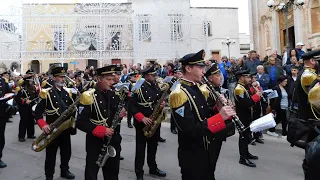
(246, 162)
(174, 131)
(9, 121)
(130, 126)
(253, 143)
(31, 137)
(121, 158)
(139, 177)
(49, 178)
(67, 175)
(162, 140)
(250, 156)
(22, 139)
(2, 164)
(259, 141)
(157, 172)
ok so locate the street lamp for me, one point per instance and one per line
(284, 6)
(228, 42)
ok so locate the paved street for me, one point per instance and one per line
(277, 160)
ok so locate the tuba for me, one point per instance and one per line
(57, 127)
(107, 150)
(158, 115)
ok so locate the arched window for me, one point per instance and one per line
(315, 16)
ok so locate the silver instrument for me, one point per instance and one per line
(108, 150)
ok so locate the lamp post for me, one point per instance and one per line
(284, 6)
(228, 42)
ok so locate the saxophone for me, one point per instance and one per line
(158, 115)
(57, 127)
(108, 150)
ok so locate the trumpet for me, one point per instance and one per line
(235, 119)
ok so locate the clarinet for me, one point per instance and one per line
(108, 150)
(235, 119)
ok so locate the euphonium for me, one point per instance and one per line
(240, 127)
(158, 115)
(57, 127)
(107, 150)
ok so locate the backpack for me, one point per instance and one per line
(299, 132)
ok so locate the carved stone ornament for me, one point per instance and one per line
(81, 41)
(264, 18)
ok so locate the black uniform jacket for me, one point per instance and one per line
(244, 103)
(143, 101)
(4, 89)
(96, 113)
(51, 105)
(304, 80)
(25, 94)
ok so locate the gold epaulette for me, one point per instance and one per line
(87, 97)
(239, 90)
(20, 82)
(307, 78)
(314, 96)
(177, 97)
(17, 89)
(44, 93)
(44, 83)
(204, 89)
(6, 80)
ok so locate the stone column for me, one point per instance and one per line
(275, 33)
(298, 21)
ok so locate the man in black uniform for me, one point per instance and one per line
(143, 100)
(5, 75)
(4, 89)
(214, 77)
(305, 80)
(195, 125)
(54, 101)
(25, 100)
(131, 78)
(96, 112)
(244, 104)
(177, 74)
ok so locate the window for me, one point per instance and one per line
(207, 28)
(59, 40)
(176, 27)
(144, 28)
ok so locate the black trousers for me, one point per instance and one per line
(3, 122)
(64, 143)
(173, 125)
(243, 143)
(129, 114)
(141, 142)
(110, 170)
(26, 124)
(281, 117)
(215, 148)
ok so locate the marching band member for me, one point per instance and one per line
(131, 78)
(96, 113)
(195, 125)
(307, 78)
(26, 94)
(4, 117)
(142, 103)
(177, 74)
(244, 103)
(214, 77)
(54, 101)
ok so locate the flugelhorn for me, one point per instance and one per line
(235, 119)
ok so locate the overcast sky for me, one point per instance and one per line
(241, 4)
